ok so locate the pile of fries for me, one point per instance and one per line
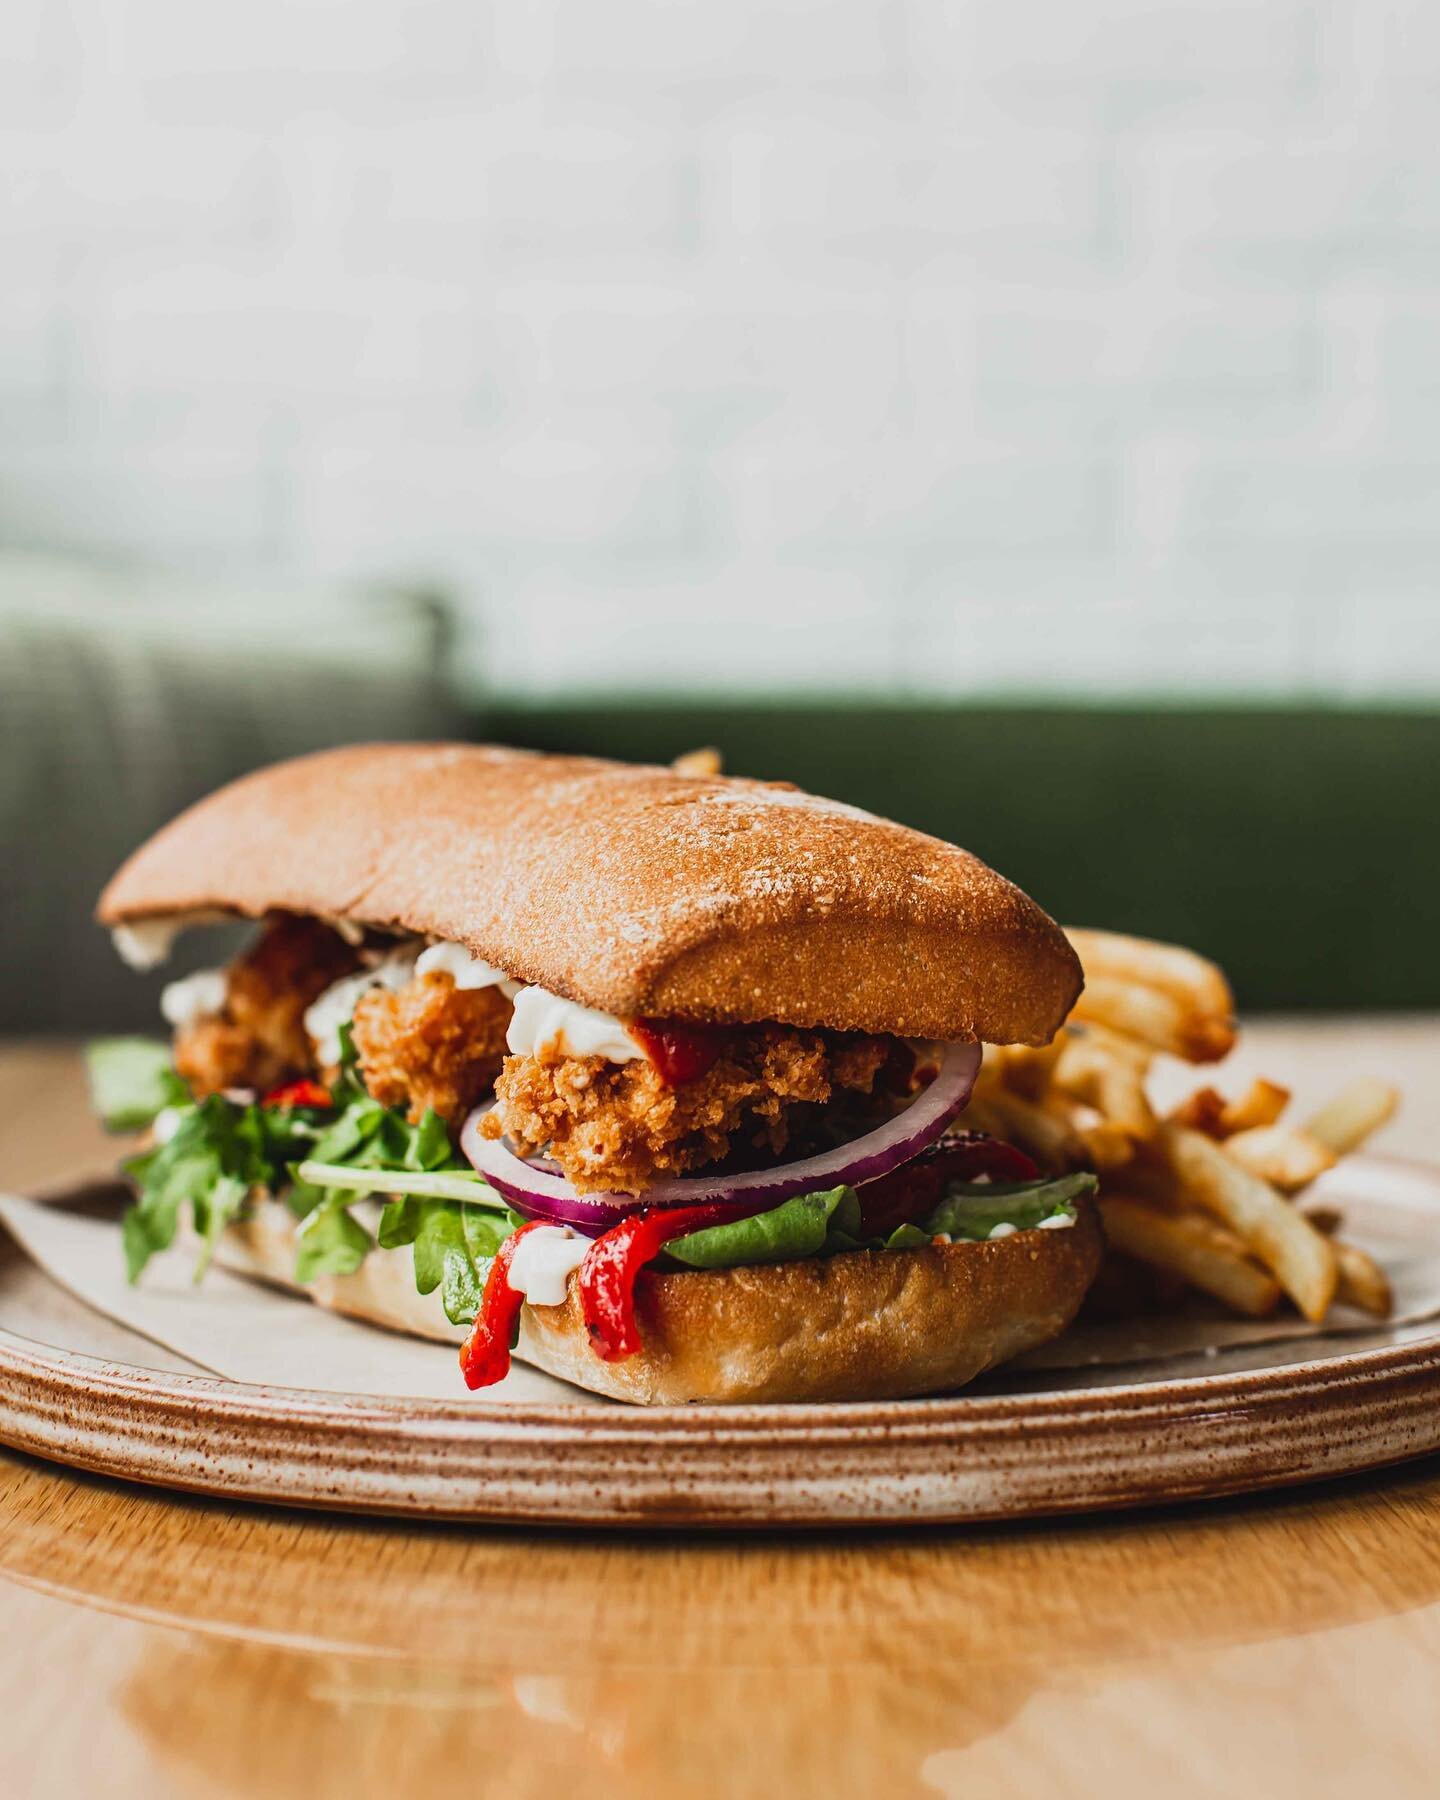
(1206, 1195)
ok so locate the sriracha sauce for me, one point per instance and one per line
(680, 1052)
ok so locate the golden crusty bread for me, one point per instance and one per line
(869, 1325)
(633, 889)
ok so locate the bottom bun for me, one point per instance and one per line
(867, 1325)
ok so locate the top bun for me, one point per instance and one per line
(637, 890)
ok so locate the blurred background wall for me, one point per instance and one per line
(948, 345)
(944, 355)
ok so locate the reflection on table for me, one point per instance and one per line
(282, 1655)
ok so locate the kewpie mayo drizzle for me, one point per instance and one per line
(543, 1259)
(544, 1024)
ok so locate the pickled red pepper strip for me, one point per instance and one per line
(485, 1354)
(614, 1261)
(299, 1093)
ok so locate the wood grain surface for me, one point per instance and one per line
(1275, 1647)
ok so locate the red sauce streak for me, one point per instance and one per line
(680, 1052)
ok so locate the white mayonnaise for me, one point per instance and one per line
(1056, 1222)
(465, 970)
(165, 1124)
(542, 1263)
(336, 1006)
(146, 944)
(197, 996)
(543, 1024)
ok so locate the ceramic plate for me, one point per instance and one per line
(84, 1390)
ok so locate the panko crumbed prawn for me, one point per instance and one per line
(431, 1044)
(618, 1127)
(258, 1037)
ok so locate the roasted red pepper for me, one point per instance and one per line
(299, 1093)
(680, 1052)
(609, 1271)
(918, 1188)
(485, 1354)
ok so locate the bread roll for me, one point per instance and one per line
(867, 1325)
(636, 890)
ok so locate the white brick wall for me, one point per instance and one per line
(901, 345)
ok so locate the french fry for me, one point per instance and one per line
(1326, 1219)
(1029, 1070)
(1106, 1147)
(1115, 1043)
(1155, 1018)
(1287, 1158)
(1146, 962)
(1209, 1111)
(1112, 1084)
(1261, 1104)
(1201, 1198)
(1363, 1283)
(1129, 980)
(705, 761)
(1302, 1260)
(1344, 1123)
(1190, 1245)
(1201, 1111)
(1122, 1098)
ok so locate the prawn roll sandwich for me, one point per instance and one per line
(657, 1080)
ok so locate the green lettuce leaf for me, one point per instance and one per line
(131, 1080)
(794, 1229)
(221, 1153)
(330, 1242)
(216, 1155)
(907, 1237)
(827, 1224)
(454, 1245)
(364, 1135)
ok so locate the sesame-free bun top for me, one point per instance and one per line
(637, 890)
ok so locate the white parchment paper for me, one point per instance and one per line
(246, 1331)
(243, 1329)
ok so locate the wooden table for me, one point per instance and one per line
(1276, 1647)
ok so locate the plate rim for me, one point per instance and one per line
(749, 1418)
(922, 1460)
(852, 1420)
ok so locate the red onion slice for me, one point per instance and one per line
(539, 1194)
